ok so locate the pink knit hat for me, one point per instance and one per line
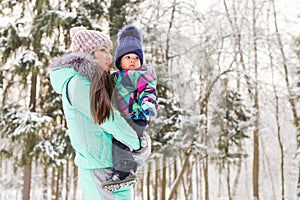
(87, 41)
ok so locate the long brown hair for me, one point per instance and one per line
(102, 86)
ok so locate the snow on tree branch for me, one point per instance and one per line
(18, 122)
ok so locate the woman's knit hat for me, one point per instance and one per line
(129, 41)
(87, 41)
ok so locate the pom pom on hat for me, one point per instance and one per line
(87, 41)
(130, 30)
(129, 41)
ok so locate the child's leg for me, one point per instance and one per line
(123, 161)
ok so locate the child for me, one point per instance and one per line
(135, 96)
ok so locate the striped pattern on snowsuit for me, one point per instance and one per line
(136, 93)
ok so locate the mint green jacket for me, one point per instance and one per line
(92, 143)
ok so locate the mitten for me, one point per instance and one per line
(149, 109)
(144, 152)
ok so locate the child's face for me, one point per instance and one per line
(130, 61)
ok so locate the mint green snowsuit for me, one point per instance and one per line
(92, 143)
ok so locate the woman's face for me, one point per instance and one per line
(130, 61)
(103, 55)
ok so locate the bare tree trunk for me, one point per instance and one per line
(164, 179)
(185, 180)
(149, 182)
(175, 175)
(59, 177)
(203, 102)
(75, 180)
(285, 67)
(277, 123)
(27, 179)
(67, 179)
(205, 173)
(190, 182)
(266, 167)
(255, 169)
(156, 180)
(228, 181)
(291, 98)
(141, 186)
(198, 177)
(57, 184)
(61, 181)
(29, 143)
(170, 173)
(173, 171)
(45, 182)
(184, 187)
(53, 183)
(180, 175)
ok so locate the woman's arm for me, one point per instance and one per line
(116, 125)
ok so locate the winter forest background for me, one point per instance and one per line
(229, 89)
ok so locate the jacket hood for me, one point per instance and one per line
(64, 68)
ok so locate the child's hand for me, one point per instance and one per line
(149, 109)
(141, 155)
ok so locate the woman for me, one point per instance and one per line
(83, 79)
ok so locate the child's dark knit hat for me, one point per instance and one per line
(129, 41)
